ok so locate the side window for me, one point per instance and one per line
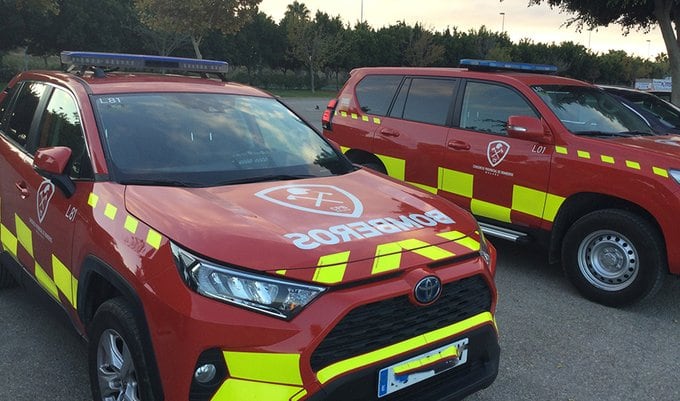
(60, 126)
(429, 100)
(486, 107)
(19, 123)
(375, 93)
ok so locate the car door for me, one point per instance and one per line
(37, 217)
(496, 177)
(414, 132)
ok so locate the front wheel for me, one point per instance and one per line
(614, 257)
(117, 364)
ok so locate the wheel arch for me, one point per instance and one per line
(98, 283)
(578, 205)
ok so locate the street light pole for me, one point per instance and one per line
(648, 44)
(362, 12)
(503, 23)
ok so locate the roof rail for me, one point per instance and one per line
(98, 62)
(492, 65)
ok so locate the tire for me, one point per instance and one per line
(6, 279)
(375, 167)
(614, 257)
(118, 365)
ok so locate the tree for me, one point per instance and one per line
(196, 18)
(631, 14)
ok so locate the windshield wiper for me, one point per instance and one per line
(265, 178)
(624, 134)
(161, 182)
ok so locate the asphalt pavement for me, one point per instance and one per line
(555, 345)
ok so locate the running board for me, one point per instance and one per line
(504, 233)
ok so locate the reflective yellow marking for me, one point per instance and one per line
(62, 278)
(235, 389)
(451, 235)
(607, 159)
(267, 367)
(131, 224)
(660, 171)
(424, 187)
(376, 120)
(633, 165)
(447, 353)
(281, 272)
(395, 167)
(364, 118)
(110, 211)
(344, 149)
(388, 256)
(332, 371)
(461, 239)
(343, 113)
(153, 238)
(583, 154)
(552, 206)
(331, 268)
(9, 241)
(456, 182)
(561, 150)
(46, 281)
(491, 210)
(24, 234)
(93, 199)
(355, 116)
(527, 200)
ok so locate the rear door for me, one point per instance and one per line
(494, 176)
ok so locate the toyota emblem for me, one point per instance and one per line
(427, 290)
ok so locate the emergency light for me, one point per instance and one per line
(140, 62)
(487, 65)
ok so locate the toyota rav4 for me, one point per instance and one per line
(210, 245)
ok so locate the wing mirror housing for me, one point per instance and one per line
(51, 163)
(529, 128)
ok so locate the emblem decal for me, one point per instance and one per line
(427, 290)
(313, 198)
(45, 193)
(496, 152)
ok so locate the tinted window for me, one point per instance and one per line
(202, 139)
(19, 123)
(429, 100)
(60, 126)
(375, 93)
(486, 107)
(586, 110)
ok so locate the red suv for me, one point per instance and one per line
(534, 156)
(211, 245)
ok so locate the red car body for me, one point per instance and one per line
(109, 239)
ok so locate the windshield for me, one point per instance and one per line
(664, 111)
(201, 139)
(585, 110)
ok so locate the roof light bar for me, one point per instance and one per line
(140, 62)
(481, 65)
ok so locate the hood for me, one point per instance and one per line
(662, 145)
(301, 224)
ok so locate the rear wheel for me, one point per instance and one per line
(6, 279)
(117, 362)
(614, 257)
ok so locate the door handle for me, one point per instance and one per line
(389, 132)
(23, 189)
(459, 145)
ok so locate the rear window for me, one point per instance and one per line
(375, 93)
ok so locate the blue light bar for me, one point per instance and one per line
(141, 62)
(481, 65)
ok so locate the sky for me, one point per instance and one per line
(538, 23)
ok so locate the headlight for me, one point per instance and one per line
(675, 174)
(281, 298)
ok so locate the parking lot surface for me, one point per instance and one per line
(555, 344)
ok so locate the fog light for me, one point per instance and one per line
(205, 373)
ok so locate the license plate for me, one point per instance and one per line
(411, 371)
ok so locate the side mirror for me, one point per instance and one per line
(528, 128)
(51, 163)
